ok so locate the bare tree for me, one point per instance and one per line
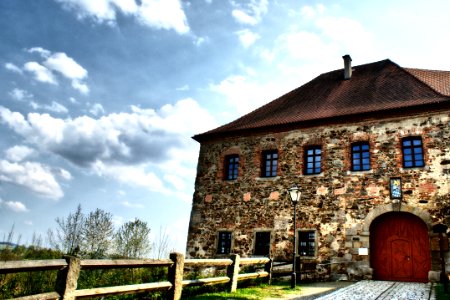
(132, 239)
(161, 244)
(97, 234)
(68, 236)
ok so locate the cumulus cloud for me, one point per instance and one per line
(34, 176)
(143, 135)
(54, 107)
(251, 12)
(18, 153)
(15, 206)
(132, 205)
(97, 109)
(40, 72)
(247, 37)
(57, 63)
(160, 14)
(20, 95)
(12, 67)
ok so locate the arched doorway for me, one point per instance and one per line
(399, 247)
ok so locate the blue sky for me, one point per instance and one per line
(99, 99)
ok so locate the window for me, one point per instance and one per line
(360, 156)
(412, 152)
(313, 160)
(224, 245)
(231, 167)
(307, 243)
(262, 243)
(269, 163)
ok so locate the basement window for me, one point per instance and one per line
(412, 152)
(360, 156)
(224, 243)
(262, 243)
(269, 163)
(313, 160)
(231, 167)
(307, 243)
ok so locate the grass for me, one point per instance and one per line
(280, 290)
(440, 294)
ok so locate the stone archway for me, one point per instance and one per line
(400, 248)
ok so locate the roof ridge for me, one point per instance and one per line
(408, 70)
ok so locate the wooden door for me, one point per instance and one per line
(399, 248)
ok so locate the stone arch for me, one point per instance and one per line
(382, 209)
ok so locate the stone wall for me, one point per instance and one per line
(338, 204)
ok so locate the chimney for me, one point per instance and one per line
(347, 66)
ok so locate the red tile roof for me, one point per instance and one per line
(376, 87)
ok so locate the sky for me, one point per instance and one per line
(99, 99)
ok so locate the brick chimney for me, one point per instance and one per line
(347, 66)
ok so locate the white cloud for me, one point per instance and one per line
(33, 176)
(97, 109)
(160, 14)
(65, 65)
(54, 107)
(28, 222)
(132, 205)
(251, 12)
(13, 67)
(247, 37)
(163, 14)
(15, 206)
(43, 52)
(183, 88)
(245, 94)
(132, 148)
(59, 63)
(20, 95)
(40, 72)
(79, 86)
(18, 153)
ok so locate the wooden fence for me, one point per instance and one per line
(70, 267)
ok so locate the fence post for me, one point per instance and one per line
(233, 272)
(67, 278)
(268, 267)
(176, 276)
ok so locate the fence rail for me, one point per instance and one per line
(70, 267)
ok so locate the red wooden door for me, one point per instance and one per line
(399, 248)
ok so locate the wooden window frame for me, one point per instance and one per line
(259, 251)
(412, 152)
(310, 245)
(358, 156)
(269, 163)
(312, 159)
(221, 241)
(231, 167)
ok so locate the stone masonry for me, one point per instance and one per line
(337, 204)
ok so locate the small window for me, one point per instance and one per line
(269, 163)
(412, 152)
(262, 243)
(231, 167)
(360, 156)
(313, 160)
(224, 244)
(307, 243)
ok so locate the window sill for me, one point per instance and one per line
(268, 178)
(360, 172)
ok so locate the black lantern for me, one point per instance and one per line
(294, 194)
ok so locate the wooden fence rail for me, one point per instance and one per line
(70, 267)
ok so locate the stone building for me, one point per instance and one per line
(369, 149)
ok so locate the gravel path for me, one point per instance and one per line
(383, 290)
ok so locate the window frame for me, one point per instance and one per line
(361, 153)
(413, 150)
(311, 250)
(313, 170)
(220, 239)
(266, 247)
(273, 162)
(231, 165)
